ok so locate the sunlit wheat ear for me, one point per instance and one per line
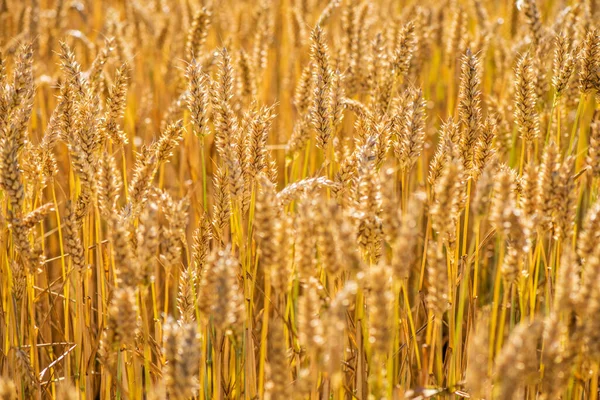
(327, 232)
(198, 99)
(477, 380)
(18, 100)
(437, 280)
(225, 121)
(380, 304)
(344, 180)
(122, 326)
(348, 39)
(262, 36)
(201, 244)
(593, 157)
(65, 391)
(148, 241)
(65, 110)
(557, 356)
(182, 352)
(174, 112)
(73, 245)
(259, 128)
(449, 138)
(510, 223)
(71, 68)
(36, 216)
(310, 323)
(30, 254)
(148, 161)
(220, 294)
(185, 295)
(327, 12)
(337, 99)
(221, 207)
(310, 330)
(95, 72)
(305, 240)
(108, 185)
(484, 151)
(297, 27)
(456, 26)
(335, 326)
(518, 363)
(588, 236)
(504, 200)
(143, 174)
(303, 187)
(405, 48)
(83, 146)
(8, 389)
(404, 253)
(503, 110)
(304, 90)
(480, 203)
(564, 64)
(566, 201)
(278, 380)
(357, 107)
(589, 331)
(547, 185)
(469, 106)
(378, 62)
(390, 214)
(127, 273)
(358, 64)
(168, 141)
(271, 234)
(534, 20)
(412, 134)
(447, 199)
(589, 278)
(172, 235)
(196, 37)
(116, 103)
(29, 379)
(19, 280)
(381, 133)
(589, 62)
(368, 202)
(567, 283)
(118, 30)
(46, 159)
(16, 105)
(247, 72)
(526, 116)
(528, 200)
(320, 110)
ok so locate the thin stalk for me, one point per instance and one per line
(496, 299)
(411, 323)
(204, 185)
(580, 108)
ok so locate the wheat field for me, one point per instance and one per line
(299, 199)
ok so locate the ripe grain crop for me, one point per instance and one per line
(305, 199)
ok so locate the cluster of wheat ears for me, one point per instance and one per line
(307, 199)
